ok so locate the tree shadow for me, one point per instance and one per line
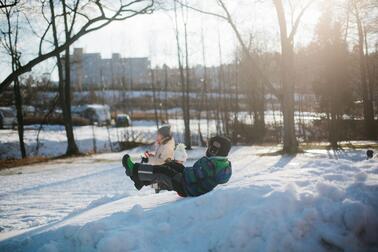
(283, 161)
(352, 155)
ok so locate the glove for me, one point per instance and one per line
(144, 160)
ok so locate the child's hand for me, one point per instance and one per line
(148, 154)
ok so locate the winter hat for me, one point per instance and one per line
(180, 153)
(165, 131)
(369, 154)
(218, 146)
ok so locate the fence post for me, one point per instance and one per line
(94, 137)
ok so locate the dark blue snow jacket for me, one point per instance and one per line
(206, 174)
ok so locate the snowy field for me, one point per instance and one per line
(53, 141)
(52, 138)
(317, 201)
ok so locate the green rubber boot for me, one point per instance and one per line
(128, 164)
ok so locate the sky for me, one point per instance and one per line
(153, 35)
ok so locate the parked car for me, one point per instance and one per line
(95, 113)
(28, 110)
(123, 120)
(7, 118)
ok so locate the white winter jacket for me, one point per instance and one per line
(163, 152)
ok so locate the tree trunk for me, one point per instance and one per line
(236, 104)
(72, 148)
(260, 103)
(166, 92)
(207, 107)
(221, 89)
(370, 131)
(64, 89)
(290, 141)
(333, 136)
(290, 144)
(154, 98)
(16, 87)
(187, 95)
(184, 87)
(20, 117)
(205, 103)
(368, 110)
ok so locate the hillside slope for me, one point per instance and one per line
(317, 201)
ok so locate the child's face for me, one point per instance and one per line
(159, 138)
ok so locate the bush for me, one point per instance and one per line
(347, 129)
(76, 121)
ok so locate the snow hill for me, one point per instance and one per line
(317, 201)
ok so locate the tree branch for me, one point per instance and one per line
(245, 49)
(3, 4)
(84, 30)
(202, 11)
(298, 20)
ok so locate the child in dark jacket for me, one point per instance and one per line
(208, 172)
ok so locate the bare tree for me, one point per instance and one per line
(204, 97)
(10, 43)
(93, 16)
(166, 92)
(286, 94)
(236, 99)
(255, 90)
(357, 8)
(332, 85)
(184, 80)
(72, 147)
(64, 83)
(228, 18)
(6, 4)
(222, 106)
(154, 100)
(187, 82)
(287, 79)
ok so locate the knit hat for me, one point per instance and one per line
(180, 153)
(369, 154)
(165, 131)
(218, 146)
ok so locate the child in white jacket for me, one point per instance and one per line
(164, 147)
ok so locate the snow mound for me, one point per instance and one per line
(270, 204)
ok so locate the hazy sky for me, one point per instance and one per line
(153, 35)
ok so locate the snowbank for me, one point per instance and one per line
(316, 201)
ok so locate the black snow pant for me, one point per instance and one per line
(168, 176)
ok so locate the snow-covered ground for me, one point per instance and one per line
(53, 141)
(52, 138)
(317, 201)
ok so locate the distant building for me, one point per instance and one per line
(89, 69)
